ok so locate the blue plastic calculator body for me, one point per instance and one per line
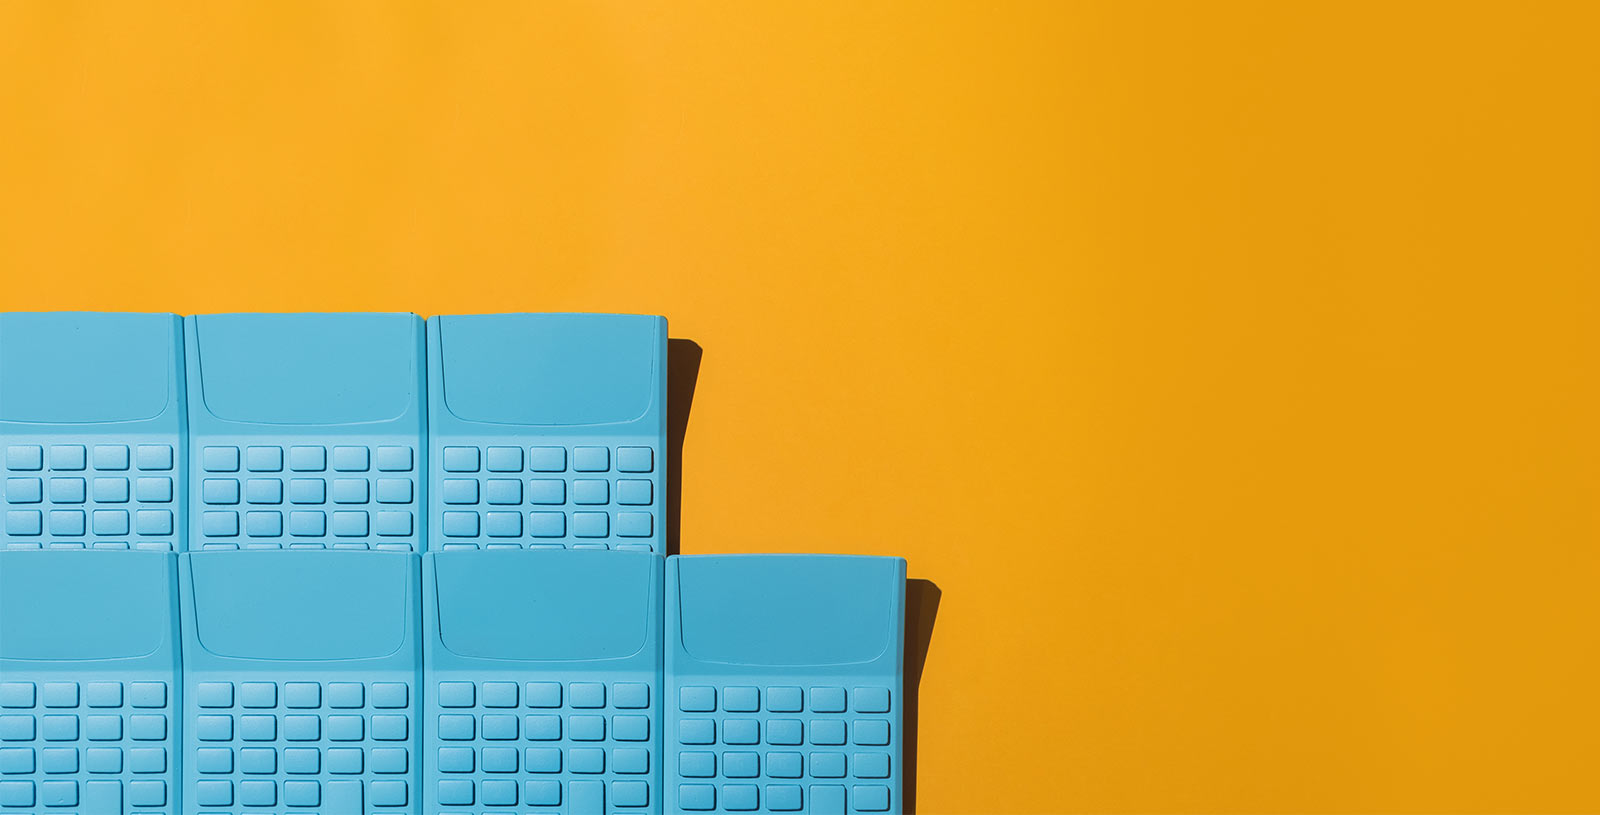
(306, 431)
(88, 682)
(548, 431)
(544, 682)
(92, 430)
(784, 677)
(300, 679)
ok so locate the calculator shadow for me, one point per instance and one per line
(922, 606)
(683, 370)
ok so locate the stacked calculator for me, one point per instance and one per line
(370, 564)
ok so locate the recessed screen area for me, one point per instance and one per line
(570, 605)
(81, 605)
(781, 611)
(76, 367)
(301, 605)
(308, 368)
(548, 369)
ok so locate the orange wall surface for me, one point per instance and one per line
(1227, 370)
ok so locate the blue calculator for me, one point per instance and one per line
(88, 680)
(306, 431)
(784, 683)
(544, 681)
(300, 677)
(92, 430)
(548, 431)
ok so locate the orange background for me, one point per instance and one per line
(1229, 367)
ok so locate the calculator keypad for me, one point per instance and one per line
(583, 746)
(782, 748)
(338, 748)
(555, 497)
(100, 496)
(306, 496)
(98, 747)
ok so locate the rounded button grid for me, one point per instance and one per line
(306, 496)
(101, 496)
(337, 747)
(544, 496)
(782, 748)
(93, 747)
(583, 745)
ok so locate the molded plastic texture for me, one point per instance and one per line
(307, 431)
(328, 608)
(316, 369)
(565, 708)
(781, 617)
(88, 682)
(68, 607)
(92, 431)
(548, 431)
(548, 369)
(82, 367)
(325, 725)
(577, 605)
(790, 698)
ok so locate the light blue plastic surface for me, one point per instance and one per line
(92, 429)
(301, 673)
(543, 684)
(306, 431)
(784, 679)
(548, 431)
(89, 681)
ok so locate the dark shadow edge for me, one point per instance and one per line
(922, 608)
(683, 372)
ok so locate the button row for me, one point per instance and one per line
(737, 699)
(150, 546)
(301, 695)
(302, 760)
(334, 797)
(620, 547)
(105, 490)
(458, 524)
(872, 732)
(96, 760)
(547, 459)
(226, 491)
(305, 458)
(626, 695)
(504, 727)
(95, 694)
(71, 457)
(510, 491)
(306, 523)
(141, 727)
(302, 727)
(98, 796)
(582, 760)
(782, 765)
(582, 796)
(825, 800)
(28, 523)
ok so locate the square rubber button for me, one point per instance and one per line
(220, 459)
(308, 459)
(591, 459)
(542, 459)
(460, 459)
(635, 459)
(394, 459)
(111, 457)
(503, 459)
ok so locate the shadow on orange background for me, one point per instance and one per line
(1229, 367)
